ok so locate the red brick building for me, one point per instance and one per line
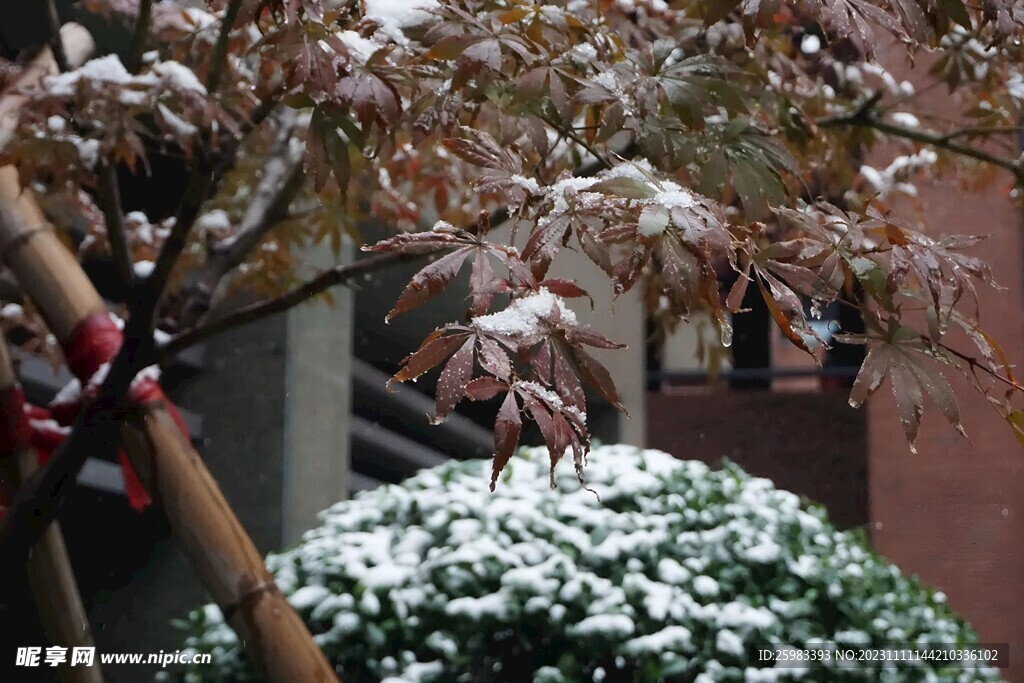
(954, 512)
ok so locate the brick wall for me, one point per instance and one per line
(954, 513)
(809, 443)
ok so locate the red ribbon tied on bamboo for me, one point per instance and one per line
(91, 347)
(23, 425)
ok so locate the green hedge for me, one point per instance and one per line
(678, 573)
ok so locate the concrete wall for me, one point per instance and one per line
(622, 321)
(318, 398)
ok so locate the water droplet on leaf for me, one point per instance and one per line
(726, 331)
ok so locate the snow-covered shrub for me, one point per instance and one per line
(677, 573)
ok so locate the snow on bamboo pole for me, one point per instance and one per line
(49, 569)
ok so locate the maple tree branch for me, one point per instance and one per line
(113, 214)
(200, 332)
(867, 106)
(196, 192)
(262, 111)
(42, 494)
(55, 42)
(539, 166)
(263, 309)
(220, 49)
(260, 114)
(863, 116)
(976, 364)
(139, 36)
(973, 131)
(110, 197)
(571, 134)
(280, 181)
(95, 431)
(937, 140)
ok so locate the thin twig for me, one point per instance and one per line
(220, 49)
(865, 107)
(335, 276)
(936, 140)
(56, 44)
(264, 109)
(199, 333)
(569, 133)
(978, 365)
(110, 203)
(973, 131)
(280, 181)
(249, 314)
(195, 195)
(196, 191)
(864, 116)
(94, 432)
(140, 35)
(110, 195)
(918, 91)
(226, 161)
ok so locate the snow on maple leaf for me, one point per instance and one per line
(525, 316)
(395, 15)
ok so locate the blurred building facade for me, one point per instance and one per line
(952, 513)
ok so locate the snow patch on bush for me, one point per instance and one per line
(677, 573)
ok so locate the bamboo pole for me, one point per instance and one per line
(50, 575)
(273, 633)
(52, 258)
(201, 519)
(43, 267)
